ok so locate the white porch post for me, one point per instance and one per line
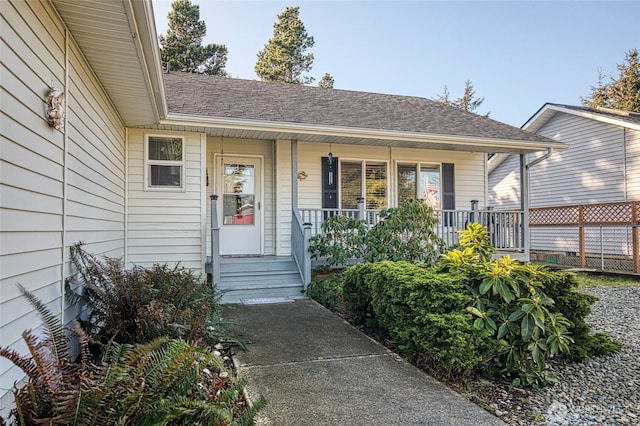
(294, 174)
(524, 203)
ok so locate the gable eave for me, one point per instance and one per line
(548, 110)
(119, 42)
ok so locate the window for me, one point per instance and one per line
(368, 179)
(164, 158)
(420, 181)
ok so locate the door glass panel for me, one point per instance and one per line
(239, 194)
(351, 188)
(430, 185)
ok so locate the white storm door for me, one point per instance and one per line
(240, 186)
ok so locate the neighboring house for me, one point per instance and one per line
(600, 165)
(131, 170)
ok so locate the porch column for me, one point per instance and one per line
(524, 203)
(294, 174)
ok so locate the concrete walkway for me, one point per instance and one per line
(315, 369)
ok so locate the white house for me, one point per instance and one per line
(131, 167)
(600, 165)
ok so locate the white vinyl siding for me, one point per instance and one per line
(590, 170)
(632, 138)
(470, 177)
(166, 226)
(41, 206)
(504, 185)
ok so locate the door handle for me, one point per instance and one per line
(258, 205)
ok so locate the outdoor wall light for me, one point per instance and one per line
(302, 175)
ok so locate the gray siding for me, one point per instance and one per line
(50, 196)
(504, 185)
(632, 138)
(591, 170)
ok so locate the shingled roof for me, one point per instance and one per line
(211, 96)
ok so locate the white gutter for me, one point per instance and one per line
(353, 132)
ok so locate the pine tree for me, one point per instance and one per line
(622, 93)
(467, 102)
(284, 57)
(326, 81)
(182, 47)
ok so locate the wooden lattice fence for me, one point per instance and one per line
(589, 215)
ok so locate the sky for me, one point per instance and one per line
(517, 54)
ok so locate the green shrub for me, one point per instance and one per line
(406, 233)
(327, 290)
(403, 233)
(576, 306)
(356, 296)
(142, 304)
(515, 304)
(161, 382)
(341, 240)
(424, 311)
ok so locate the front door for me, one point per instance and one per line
(240, 183)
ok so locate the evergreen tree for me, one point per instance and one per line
(326, 81)
(284, 57)
(467, 102)
(182, 47)
(622, 93)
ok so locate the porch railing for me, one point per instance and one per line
(504, 227)
(300, 234)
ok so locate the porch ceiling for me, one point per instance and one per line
(118, 40)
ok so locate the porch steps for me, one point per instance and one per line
(260, 277)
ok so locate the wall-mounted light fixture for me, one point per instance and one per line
(302, 175)
(55, 108)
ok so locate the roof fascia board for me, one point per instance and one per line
(533, 123)
(140, 14)
(336, 131)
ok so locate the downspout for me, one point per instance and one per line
(524, 191)
(65, 172)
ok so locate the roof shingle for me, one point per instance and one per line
(212, 96)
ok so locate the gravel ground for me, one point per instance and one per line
(600, 391)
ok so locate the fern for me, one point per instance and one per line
(155, 383)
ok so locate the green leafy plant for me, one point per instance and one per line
(141, 304)
(515, 304)
(327, 290)
(405, 233)
(164, 381)
(341, 241)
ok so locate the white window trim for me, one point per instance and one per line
(417, 165)
(363, 166)
(148, 163)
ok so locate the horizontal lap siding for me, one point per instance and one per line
(590, 170)
(633, 164)
(470, 177)
(32, 178)
(165, 226)
(504, 185)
